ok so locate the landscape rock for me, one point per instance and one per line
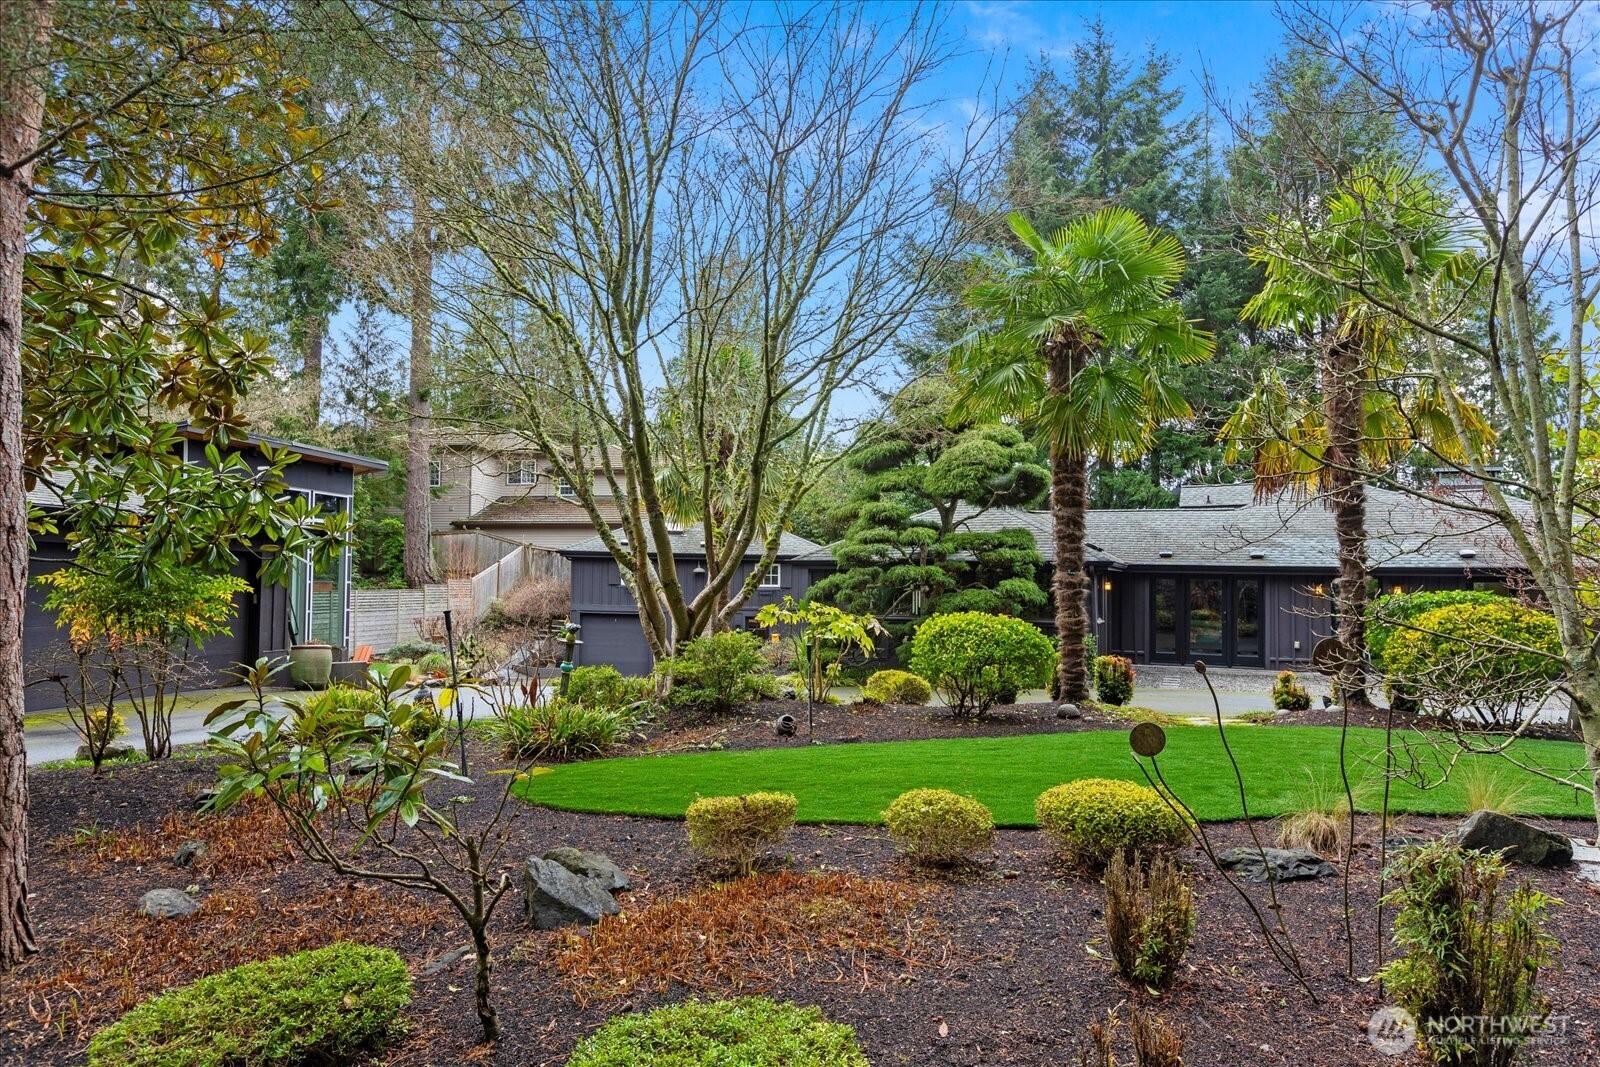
(189, 853)
(1069, 711)
(168, 904)
(595, 865)
(114, 751)
(554, 896)
(1518, 841)
(1284, 864)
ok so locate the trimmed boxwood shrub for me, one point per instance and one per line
(745, 1032)
(736, 830)
(1092, 818)
(1494, 659)
(1113, 679)
(937, 827)
(327, 1005)
(897, 687)
(975, 660)
(1387, 615)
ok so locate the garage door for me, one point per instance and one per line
(617, 640)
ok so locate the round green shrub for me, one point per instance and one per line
(897, 687)
(336, 710)
(745, 1032)
(336, 1004)
(1496, 660)
(736, 830)
(976, 660)
(937, 827)
(1388, 614)
(1092, 818)
(603, 686)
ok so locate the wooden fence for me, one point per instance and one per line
(383, 618)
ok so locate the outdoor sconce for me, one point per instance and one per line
(1320, 589)
(1106, 585)
(700, 570)
(1398, 590)
(774, 637)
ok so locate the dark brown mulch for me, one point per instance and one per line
(1024, 976)
(755, 725)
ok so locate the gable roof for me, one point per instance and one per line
(689, 543)
(540, 510)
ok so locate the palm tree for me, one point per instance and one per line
(1079, 338)
(1383, 235)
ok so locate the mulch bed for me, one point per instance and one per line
(1011, 971)
(1378, 718)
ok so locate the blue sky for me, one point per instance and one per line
(1232, 39)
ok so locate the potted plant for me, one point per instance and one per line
(310, 665)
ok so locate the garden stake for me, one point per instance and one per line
(455, 688)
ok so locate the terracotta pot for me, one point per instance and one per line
(310, 665)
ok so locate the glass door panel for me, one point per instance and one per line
(1165, 618)
(1205, 619)
(1247, 620)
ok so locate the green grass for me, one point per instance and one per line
(853, 783)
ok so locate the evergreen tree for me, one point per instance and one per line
(909, 551)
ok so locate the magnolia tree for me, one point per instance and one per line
(700, 233)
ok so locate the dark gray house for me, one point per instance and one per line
(1222, 577)
(313, 605)
(606, 610)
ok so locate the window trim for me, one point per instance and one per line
(564, 489)
(435, 474)
(773, 579)
(522, 472)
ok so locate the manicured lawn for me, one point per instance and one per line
(853, 783)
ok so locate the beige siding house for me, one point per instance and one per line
(499, 485)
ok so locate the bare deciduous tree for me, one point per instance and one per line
(683, 187)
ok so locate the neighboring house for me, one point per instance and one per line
(609, 616)
(500, 485)
(311, 606)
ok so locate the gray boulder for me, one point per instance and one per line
(595, 865)
(189, 853)
(1520, 842)
(168, 904)
(554, 896)
(1277, 864)
(1069, 711)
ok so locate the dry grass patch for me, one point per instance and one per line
(115, 959)
(743, 936)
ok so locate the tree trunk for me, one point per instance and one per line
(24, 31)
(418, 552)
(311, 369)
(1585, 682)
(1069, 500)
(1343, 394)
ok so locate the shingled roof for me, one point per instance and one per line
(1233, 530)
(543, 510)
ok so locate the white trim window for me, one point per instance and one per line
(773, 579)
(522, 472)
(565, 488)
(435, 474)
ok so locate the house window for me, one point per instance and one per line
(435, 474)
(773, 578)
(522, 472)
(564, 488)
